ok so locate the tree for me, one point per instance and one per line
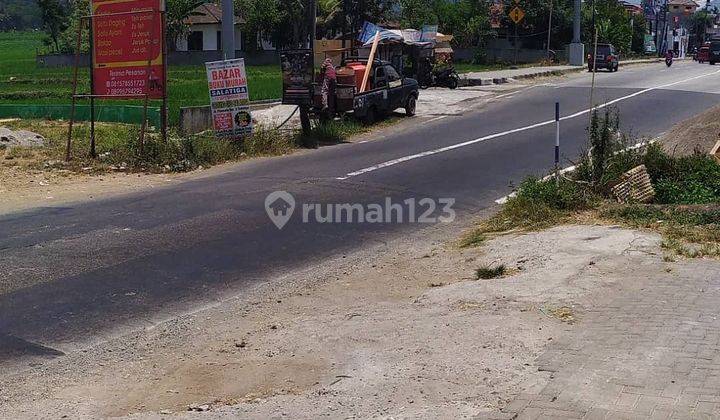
(178, 12)
(54, 18)
(640, 29)
(329, 18)
(700, 22)
(534, 26)
(466, 20)
(613, 24)
(416, 13)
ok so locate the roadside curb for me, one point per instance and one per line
(482, 81)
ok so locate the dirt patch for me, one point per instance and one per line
(697, 134)
(23, 188)
(400, 329)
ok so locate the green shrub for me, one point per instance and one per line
(541, 203)
(489, 272)
(333, 132)
(686, 180)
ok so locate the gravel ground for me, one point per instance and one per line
(397, 330)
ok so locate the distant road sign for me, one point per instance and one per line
(517, 14)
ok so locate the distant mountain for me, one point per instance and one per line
(19, 14)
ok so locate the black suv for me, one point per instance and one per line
(714, 53)
(607, 58)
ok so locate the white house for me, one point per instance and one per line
(205, 30)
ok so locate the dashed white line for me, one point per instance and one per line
(403, 159)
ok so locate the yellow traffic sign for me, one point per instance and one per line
(517, 14)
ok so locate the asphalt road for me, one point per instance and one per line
(76, 274)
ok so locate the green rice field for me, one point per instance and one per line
(23, 82)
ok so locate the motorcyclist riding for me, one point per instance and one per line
(669, 58)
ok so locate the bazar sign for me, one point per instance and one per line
(229, 99)
(127, 36)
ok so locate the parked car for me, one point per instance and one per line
(703, 54)
(607, 58)
(714, 53)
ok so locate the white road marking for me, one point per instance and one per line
(403, 159)
(437, 118)
(509, 94)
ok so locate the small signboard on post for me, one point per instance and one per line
(297, 76)
(229, 98)
(517, 14)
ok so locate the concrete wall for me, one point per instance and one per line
(507, 54)
(175, 58)
(196, 119)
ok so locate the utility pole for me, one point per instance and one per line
(665, 28)
(549, 28)
(577, 49)
(656, 9)
(310, 42)
(228, 29)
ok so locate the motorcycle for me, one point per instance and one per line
(668, 60)
(446, 78)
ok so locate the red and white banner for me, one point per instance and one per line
(229, 98)
(127, 35)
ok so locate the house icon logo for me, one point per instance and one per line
(279, 206)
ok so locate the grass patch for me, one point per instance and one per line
(686, 211)
(563, 313)
(688, 231)
(538, 204)
(335, 131)
(488, 272)
(118, 147)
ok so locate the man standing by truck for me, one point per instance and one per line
(329, 81)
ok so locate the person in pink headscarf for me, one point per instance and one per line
(329, 81)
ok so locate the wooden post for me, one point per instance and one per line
(74, 89)
(371, 57)
(92, 94)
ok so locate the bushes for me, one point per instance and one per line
(539, 204)
(686, 180)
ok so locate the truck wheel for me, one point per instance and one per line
(410, 106)
(370, 117)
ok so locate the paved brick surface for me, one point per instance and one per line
(649, 348)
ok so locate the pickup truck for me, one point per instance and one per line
(389, 91)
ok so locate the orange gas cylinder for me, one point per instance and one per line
(359, 69)
(345, 90)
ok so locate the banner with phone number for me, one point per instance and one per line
(126, 36)
(229, 98)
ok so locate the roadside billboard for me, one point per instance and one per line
(126, 36)
(297, 76)
(229, 98)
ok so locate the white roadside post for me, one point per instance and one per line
(557, 142)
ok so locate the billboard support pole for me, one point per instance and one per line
(164, 109)
(148, 69)
(74, 90)
(92, 95)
